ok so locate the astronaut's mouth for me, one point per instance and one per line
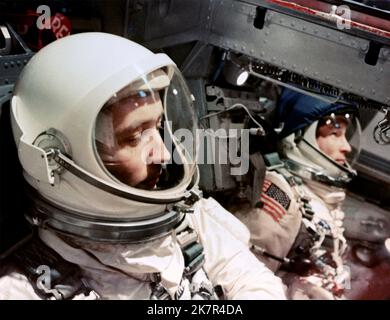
(340, 161)
(151, 182)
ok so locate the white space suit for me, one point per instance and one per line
(298, 223)
(278, 236)
(125, 271)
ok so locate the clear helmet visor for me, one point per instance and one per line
(338, 136)
(145, 134)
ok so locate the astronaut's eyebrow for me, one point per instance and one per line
(136, 126)
(126, 132)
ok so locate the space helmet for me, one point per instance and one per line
(302, 117)
(81, 108)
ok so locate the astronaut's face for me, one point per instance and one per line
(332, 140)
(139, 149)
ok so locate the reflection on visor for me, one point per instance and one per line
(135, 99)
(336, 120)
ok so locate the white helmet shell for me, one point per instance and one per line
(62, 89)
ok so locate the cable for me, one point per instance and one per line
(228, 109)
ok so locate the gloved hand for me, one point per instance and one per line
(302, 289)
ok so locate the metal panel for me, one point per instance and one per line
(310, 49)
(197, 87)
(172, 22)
(5, 94)
(374, 159)
(368, 22)
(364, 220)
(314, 51)
(222, 176)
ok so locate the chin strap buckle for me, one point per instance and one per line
(190, 198)
(193, 196)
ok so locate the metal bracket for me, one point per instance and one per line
(382, 130)
(7, 40)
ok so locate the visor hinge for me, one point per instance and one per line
(190, 198)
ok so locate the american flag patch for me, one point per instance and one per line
(275, 200)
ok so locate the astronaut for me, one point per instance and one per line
(116, 211)
(297, 225)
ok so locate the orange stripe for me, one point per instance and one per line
(266, 185)
(272, 209)
(270, 212)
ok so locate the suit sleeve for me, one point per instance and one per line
(272, 226)
(15, 286)
(228, 260)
